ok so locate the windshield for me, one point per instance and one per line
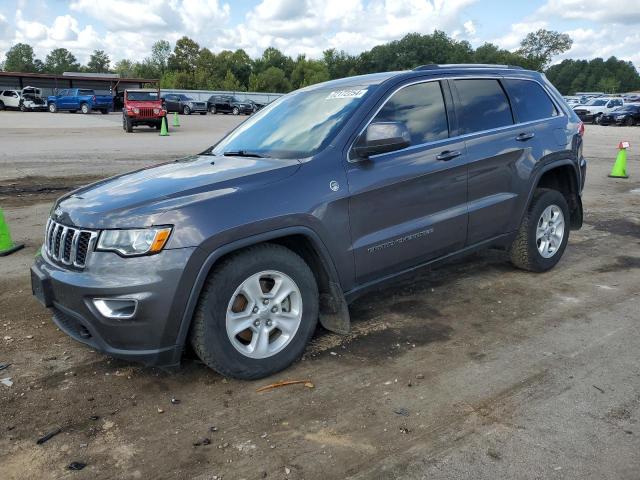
(297, 125)
(142, 96)
(597, 103)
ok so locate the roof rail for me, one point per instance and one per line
(435, 66)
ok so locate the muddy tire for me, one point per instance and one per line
(543, 233)
(244, 325)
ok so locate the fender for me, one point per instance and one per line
(338, 302)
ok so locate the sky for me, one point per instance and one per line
(128, 28)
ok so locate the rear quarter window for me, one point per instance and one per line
(529, 100)
(483, 104)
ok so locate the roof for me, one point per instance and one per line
(378, 78)
(150, 90)
(92, 77)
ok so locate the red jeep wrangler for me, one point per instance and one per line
(142, 107)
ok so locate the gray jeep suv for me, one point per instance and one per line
(326, 193)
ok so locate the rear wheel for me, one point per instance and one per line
(53, 108)
(257, 311)
(630, 122)
(543, 234)
(104, 111)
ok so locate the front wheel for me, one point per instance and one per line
(630, 122)
(212, 109)
(257, 311)
(186, 110)
(235, 110)
(543, 234)
(84, 108)
(127, 125)
(104, 111)
(53, 108)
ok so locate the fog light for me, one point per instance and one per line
(116, 308)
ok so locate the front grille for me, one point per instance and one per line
(68, 245)
(146, 112)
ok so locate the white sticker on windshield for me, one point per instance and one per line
(346, 94)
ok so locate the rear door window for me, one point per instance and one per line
(421, 109)
(484, 105)
(529, 100)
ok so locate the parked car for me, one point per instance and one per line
(181, 103)
(229, 104)
(628, 114)
(82, 99)
(333, 191)
(27, 99)
(593, 109)
(142, 107)
(32, 100)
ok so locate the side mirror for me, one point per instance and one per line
(382, 137)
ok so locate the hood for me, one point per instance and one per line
(139, 198)
(143, 104)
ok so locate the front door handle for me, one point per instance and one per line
(523, 137)
(448, 155)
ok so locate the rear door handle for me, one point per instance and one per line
(448, 155)
(523, 137)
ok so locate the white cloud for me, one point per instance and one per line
(118, 15)
(601, 11)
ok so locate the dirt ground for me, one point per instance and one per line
(473, 370)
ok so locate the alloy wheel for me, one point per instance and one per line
(550, 231)
(264, 314)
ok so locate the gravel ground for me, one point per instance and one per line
(470, 371)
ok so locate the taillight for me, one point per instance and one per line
(581, 129)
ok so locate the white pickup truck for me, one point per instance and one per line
(593, 109)
(27, 99)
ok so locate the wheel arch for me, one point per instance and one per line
(561, 175)
(334, 313)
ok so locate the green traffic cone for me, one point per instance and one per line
(619, 169)
(6, 245)
(164, 132)
(176, 122)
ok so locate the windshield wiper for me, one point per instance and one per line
(243, 153)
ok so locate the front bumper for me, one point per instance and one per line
(198, 107)
(151, 336)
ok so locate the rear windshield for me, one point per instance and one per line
(142, 96)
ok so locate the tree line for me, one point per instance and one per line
(191, 66)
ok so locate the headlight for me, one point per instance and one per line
(140, 241)
(136, 110)
(156, 111)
